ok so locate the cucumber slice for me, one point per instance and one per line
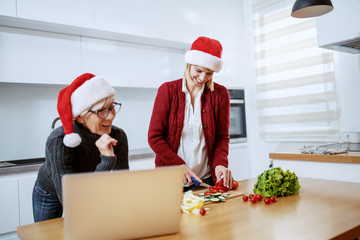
(216, 194)
(226, 195)
(215, 199)
(222, 198)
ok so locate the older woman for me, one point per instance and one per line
(86, 142)
(190, 121)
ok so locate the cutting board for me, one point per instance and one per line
(233, 193)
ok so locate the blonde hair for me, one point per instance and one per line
(209, 84)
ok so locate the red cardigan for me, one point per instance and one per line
(167, 122)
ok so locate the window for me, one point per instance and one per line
(295, 79)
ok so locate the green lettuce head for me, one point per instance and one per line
(275, 182)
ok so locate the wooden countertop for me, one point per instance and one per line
(322, 210)
(349, 157)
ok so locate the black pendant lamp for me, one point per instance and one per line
(311, 8)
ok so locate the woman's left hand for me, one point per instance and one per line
(225, 173)
(105, 145)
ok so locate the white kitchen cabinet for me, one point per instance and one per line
(9, 236)
(177, 20)
(232, 74)
(75, 13)
(239, 161)
(8, 8)
(131, 65)
(38, 57)
(344, 172)
(26, 185)
(9, 204)
(159, 19)
(15, 202)
(142, 164)
(339, 26)
(129, 17)
(223, 22)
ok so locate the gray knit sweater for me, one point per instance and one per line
(60, 160)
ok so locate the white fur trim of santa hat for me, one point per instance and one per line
(89, 93)
(203, 59)
(205, 52)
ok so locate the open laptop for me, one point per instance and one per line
(122, 204)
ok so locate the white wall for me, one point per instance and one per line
(347, 67)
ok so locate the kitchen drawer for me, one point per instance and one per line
(9, 203)
(26, 185)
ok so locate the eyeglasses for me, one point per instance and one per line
(104, 112)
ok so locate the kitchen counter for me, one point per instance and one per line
(322, 210)
(33, 164)
(349, 157)
(20, 166)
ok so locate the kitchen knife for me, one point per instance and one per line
(197, 183)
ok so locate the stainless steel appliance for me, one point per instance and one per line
(237, 116)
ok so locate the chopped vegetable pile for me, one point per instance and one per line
(192, 203)
(276, 182)
(218, 193)
(214, 197)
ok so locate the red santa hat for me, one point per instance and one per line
(205, 52)
(80, 95)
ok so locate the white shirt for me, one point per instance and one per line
(192, 147)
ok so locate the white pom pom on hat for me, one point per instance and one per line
(81, 94)
(72, 140)
(205, 52)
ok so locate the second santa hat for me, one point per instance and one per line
(80, 95)
(205, 52)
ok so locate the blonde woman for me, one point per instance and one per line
(190, 120)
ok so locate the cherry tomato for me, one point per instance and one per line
(222, 190)
(245, 198)
(259, 197)
(207, 193)
(202, 211)
(235, 184)
(253, 200)
(267, 201)
(272, 199)
(251, 195)
(225, 189)
(213, 189)
(220, 183)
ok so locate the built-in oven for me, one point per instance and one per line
(237, 128)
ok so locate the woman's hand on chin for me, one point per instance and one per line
(105, 145)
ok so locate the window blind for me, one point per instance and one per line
(295, 79)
